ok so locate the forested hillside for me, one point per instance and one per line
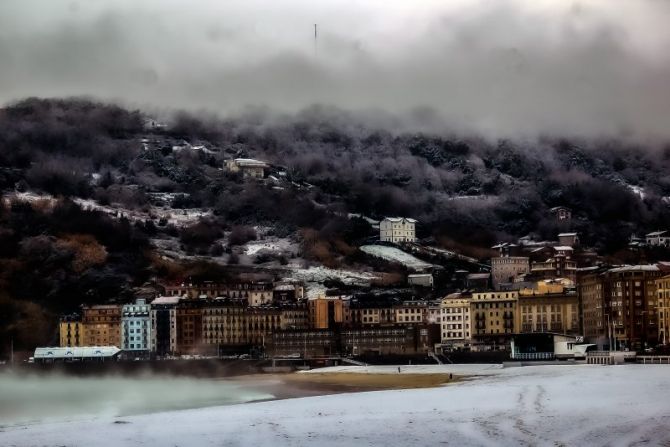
(467, 193)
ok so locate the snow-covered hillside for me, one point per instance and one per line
(393, 254)
(542, 405)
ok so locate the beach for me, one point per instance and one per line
(535, 405)
(294, 385)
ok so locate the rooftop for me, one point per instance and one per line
(656, 233)
(478, 276)
(250, 162)
(166, 300)
(635, 268)
(76, 352)
(504, 244)
(400, 219)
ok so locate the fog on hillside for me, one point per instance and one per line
(503, 68)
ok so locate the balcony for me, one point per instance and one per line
(532, 355)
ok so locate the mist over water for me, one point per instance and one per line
(26, 399)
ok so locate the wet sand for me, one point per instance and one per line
(293, 385)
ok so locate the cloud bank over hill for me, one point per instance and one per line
(498, 68)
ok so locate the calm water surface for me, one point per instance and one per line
(35, 398)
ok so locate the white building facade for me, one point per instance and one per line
(136, 327)
(249, 167)
(420, 279)
(397, 229)
(658, 239)
(455, 322)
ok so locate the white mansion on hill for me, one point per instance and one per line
(397, 229)
(249, 167)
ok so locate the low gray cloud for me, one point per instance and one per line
(499, 68)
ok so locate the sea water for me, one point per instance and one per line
(37, 398)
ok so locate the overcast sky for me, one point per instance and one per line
(498, 67)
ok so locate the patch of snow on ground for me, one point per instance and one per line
(374, 223)
(471, 197)
(184, 217)
(177, 217)
(29, 197)
(537, 405)
(448, 253)
(313, 277)
(395, 255)
(277, 245)
(321, 274)
(637, 190)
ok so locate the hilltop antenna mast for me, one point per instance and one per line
(315, 40)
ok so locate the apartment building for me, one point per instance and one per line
(70, 331)
(294, 316)
(505, 270)
(227, 323)
(455, 326)
(189, 326)
(549, 307)
(663, 309)
(327, 312)
(621, 304)
(591, 292)
(371, 340)
(632, 304)
(368, 312)
(102, 325)
(164, 325)
(411, 312)
(136, 327)
(558, 266)
(493, 314)
(255, 293)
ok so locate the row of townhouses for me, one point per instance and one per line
(532, 287)
(618, 307)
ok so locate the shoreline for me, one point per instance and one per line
(538, 405)
(297, 385)
(274, 387)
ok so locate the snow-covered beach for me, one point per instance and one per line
(538, 405)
